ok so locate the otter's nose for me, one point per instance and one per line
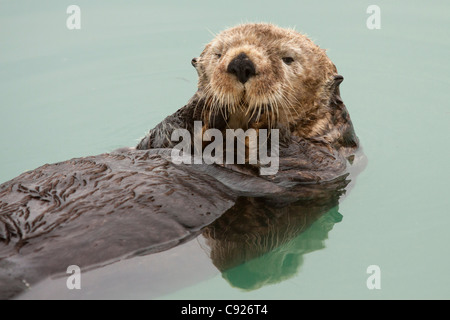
(242, 67)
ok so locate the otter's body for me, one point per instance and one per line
(100, 209)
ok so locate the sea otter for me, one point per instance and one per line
(100, 209)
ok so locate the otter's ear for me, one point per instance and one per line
(194, 62)
(336, 82)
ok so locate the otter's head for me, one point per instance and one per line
(260, 69)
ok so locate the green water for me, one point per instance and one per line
(70, 93)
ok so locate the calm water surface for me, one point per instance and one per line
(66, 94)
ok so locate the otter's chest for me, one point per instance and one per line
(238, 120)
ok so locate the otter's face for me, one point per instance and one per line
(254, 69)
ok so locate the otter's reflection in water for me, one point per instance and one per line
(262, 241)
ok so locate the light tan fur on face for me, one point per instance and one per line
(294, 96)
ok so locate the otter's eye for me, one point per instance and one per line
(288, 60)
(218, 55)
